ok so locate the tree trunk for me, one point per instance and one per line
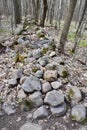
(17, 11)
(45, 7)
(67, 25)
(79, 28)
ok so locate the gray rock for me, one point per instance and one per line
(54, 98)
(40, 33)
(43, 61)
(36, 98)
(62, 70)
(83, 128)
(4, 128)
(58, 60)
(59, 110)
(51, 66)
(56, 84)
(30, 126)
(12, 82)
(27, 43)
(37, 53)
(43, 42)
(74, 94)
(30, 54)
(50, 75)
(8, 109)
(39, 74)
(18, 74)
(78, 113)
(52, 54)
(31, 84)
(46, 87)
(33, 46)
(21, 94)
(21, 41)
(1, 114)
(40, 113)
(23, 79)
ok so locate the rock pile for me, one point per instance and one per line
(42, 80)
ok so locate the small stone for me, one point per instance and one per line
(29, 116)
(37, 53)
(12, 82)
(56, 84)
(43, 61)
(83, 128)
(36, 98)
(62, 71)
(18, 74)
(4, 128)
(31, 84)
(18, 119)
(52, 54)
(22, 80)
(50, 75)
(59, 110)
(40, 33)
(21, 41)
(8, 109)
(39, 74)
(30, 126)
(74, 94)
(54, 98)
(78, 113)
(21, 94)
(27, 43)
(40, 113)
(46, 87)
(51, 66)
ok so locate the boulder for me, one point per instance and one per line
(54, 98)
(50, 75)
(59, 110)
(31, 84)
(56, 84)
(36, 98)
(78, 113)
(46, 87)
(40, 113)
(30, 126)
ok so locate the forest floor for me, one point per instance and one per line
(76, 65)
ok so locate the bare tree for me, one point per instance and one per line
(67, 25)
(17, 11)
(45, 7)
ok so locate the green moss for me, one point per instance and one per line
(71, 36)
(73, 117)
(64, 73)
(19, 58)
(83, 43)
(62, 63)
(35, 69)
(84, 122)
(37, 28)
(45, 50)
(2, 31)
(1, 100)
(71, 94)
(53, 47)
(40, 35)
(28, 104)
